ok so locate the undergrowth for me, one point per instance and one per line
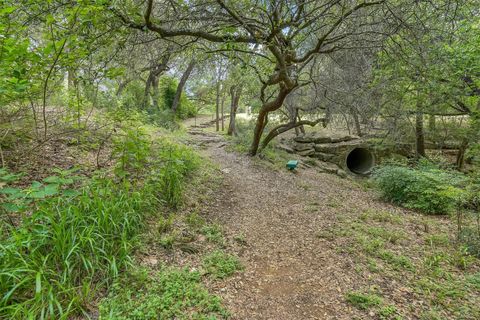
(68, 249)
(167, 294)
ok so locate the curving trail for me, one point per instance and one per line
(276, 217)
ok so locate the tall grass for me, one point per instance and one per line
(55, 263)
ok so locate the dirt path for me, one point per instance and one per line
(290, 272)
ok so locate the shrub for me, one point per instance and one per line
(425, 188)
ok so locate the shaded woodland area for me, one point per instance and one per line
(134, 134)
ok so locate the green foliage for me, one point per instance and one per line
(70, 247)
(220, 265)
(363, 301)
(21, 199)
(425, 188)
(388, 313)
(177, 162)
(213, 233)
(132, 148)
(167, 294)
(77, 241)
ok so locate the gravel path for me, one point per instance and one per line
(290, 272)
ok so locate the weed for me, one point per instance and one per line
(168, 294)
(388, 313)
(396, 260)
(437, 240)
(167, 241)
(195, 221)
(380, 216)
(474, 280)
(213, 233)
(241, 239)
(392, 236)
(165, 224)
(221, 265)
(363, 301)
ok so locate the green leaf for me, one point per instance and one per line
(50, 189)
(7, 10)
(11, 191)
(36, 185)
(12, 207)
(38, 194)
(52, 179)
(38, 283)
(70, 193)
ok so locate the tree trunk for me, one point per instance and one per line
(146, 93)
(156, 92)
(432, 123)
(235, 98)
(356, 121)
(121, 86)
(217, 107)
(419, 134)
(155, 70)
(181, 85)
(222, 110)
(461, 154)
(263, 116)
(288, 126)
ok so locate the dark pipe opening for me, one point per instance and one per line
(360, 161)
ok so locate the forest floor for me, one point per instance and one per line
(316, 246)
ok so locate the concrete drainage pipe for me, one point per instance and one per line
(360, 161)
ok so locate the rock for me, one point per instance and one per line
(303, 139)
(343, 138)
(303, 146)
(328, 167)
(306, 153)
(324, 156)
(338, 147)
(323, 139)
(342, 173)
(286, 148)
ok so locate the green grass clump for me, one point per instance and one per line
(363, 301)
(213, 233)
(168, 294)
(427, 189)
(221, 265)
(52, 264)
(177, 163)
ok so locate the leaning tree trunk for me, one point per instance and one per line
(235, 98)
(155, 70)
(181, 85)
(262, 118)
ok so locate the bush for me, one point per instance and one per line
(426, 188)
